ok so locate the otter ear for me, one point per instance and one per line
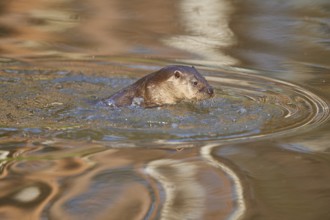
(177, 74)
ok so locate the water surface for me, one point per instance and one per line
(257, 150)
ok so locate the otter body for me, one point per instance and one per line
(169, 85)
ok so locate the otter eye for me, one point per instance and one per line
(195, 83)
(177, 74)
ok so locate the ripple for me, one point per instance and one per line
(246, 106)
(251, 106)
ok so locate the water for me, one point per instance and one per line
(257, 150)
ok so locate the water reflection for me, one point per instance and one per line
(239, 212)
(207, 30)
(43, 25)
(24, 198)
(284, 183)
(63, 158)
(75, 30)
(71, 29)
(62, 179)
(289, 36)
(184, 195)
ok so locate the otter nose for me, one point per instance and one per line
(210, 90)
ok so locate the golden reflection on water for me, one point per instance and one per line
(184, 195)
(68, 180)
(73, 29)
(277, 178)
(239, 211)
(207, 27)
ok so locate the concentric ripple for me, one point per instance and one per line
(299, 108)
(246, 106)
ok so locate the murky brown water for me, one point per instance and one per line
(258, 150)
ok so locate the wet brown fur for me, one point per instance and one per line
(158, 88)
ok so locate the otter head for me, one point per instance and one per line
(185, 83)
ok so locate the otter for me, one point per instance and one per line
(169, 85)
